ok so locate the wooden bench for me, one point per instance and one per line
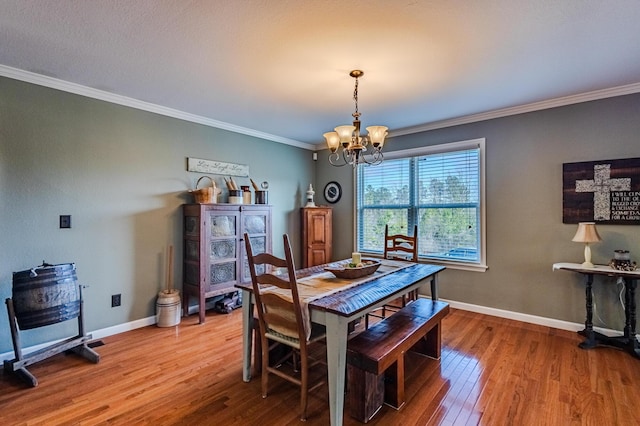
(375, 357)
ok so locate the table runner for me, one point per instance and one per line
(325, 283)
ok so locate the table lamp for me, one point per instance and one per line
(587, 233)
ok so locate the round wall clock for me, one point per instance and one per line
(332, 192)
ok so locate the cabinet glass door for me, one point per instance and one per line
(256, 225)
(223, 248)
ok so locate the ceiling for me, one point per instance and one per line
(279, 69)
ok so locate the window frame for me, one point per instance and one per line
(481, 264)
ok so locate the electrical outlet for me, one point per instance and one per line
(116, 300)
(65, 221)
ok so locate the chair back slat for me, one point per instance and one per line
(395, 246)
(269, 259)
(269, 279)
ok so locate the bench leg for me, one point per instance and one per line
(430, 344)
(394, 384)
(365, 393)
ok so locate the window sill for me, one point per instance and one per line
(461, 266)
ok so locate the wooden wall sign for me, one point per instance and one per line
(606, 191)
(216, 167)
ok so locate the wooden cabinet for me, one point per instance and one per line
(214, 250)
(316, 235)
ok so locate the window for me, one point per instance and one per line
(439, 188)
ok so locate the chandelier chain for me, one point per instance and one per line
(355, 97)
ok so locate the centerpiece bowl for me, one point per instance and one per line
(369, 266)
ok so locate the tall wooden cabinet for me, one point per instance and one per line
(316, 234)
(215, 257)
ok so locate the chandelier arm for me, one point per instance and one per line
(333, 159)
(375, 158)
(347, 156)
(371, 163)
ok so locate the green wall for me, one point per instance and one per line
(525, 233)
(121, 174)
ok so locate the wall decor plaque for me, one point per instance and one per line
(606, 191)
(217, 167)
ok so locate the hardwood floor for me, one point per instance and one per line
(493, 371)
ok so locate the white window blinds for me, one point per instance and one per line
(440, 192)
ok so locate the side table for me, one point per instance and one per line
(627, 341)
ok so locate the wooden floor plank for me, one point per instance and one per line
(492, 371)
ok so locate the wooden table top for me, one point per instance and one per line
(356, 299)
(597, 270)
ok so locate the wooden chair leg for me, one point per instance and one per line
(304, 387)
(265, 366)
(257, 352)
(295, 359)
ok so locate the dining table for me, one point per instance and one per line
(346, 301)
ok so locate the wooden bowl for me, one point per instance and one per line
(352, 273)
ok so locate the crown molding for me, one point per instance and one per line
(521, 109)
(65, 86)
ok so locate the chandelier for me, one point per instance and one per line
(356, 148)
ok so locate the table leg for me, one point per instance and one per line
(630, 309)
(336, 365)
(434, 288)
(630, 315)
(247, 330)
(588, 332)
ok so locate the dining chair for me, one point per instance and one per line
(398, 247)
(281, 322)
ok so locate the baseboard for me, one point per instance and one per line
(121, 328)
(500, 313)
(97, 334)
(531, 319)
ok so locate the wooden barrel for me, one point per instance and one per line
(44, 295)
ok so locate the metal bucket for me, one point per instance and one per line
(45, 295)
(262, 197)
(168, 308)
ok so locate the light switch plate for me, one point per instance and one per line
(65, 221)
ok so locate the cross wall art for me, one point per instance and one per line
(606, 191)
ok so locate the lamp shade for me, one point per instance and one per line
(345, 132)
(587, 233)
(333, 140)
(377, 135)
